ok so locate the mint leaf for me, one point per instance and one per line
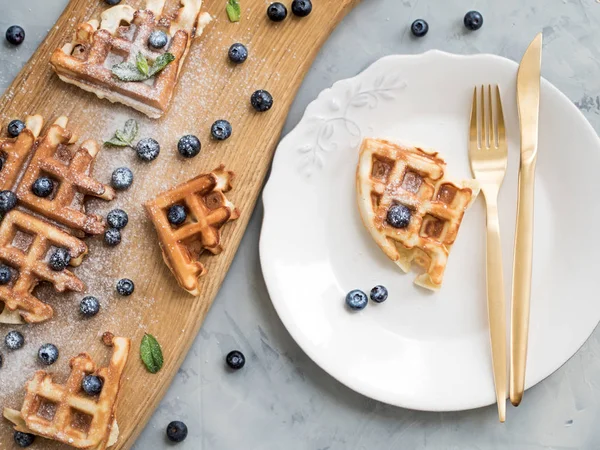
(116, 142)
(142, 63)
(130, 131)
(151, 353)
(160, 63)
(127, 71)
(233, 10)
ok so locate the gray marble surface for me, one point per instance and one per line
(282, 400)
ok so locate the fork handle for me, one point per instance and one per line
(521, 291)
(496, 303)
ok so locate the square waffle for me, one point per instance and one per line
(389, 174)
(208, 210)
(98, 45)
(65, 413)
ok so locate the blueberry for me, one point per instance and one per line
(419, 28)
(59, 259)
(15, 35)
(301, 8)
(8, 200)
(112, 2)
(48, 354)
(15, 127)
(177, 431)
(89, 306)
(14, 340)
(220, 130)
(398, 216)
(235, 360)
(121, 178)
(277, 12)
(23, 439)
(5, 274)
(473, 20)
(261, 100)
(356, 299)
(176, 214)
(112, 237)
(147, 149)
(43, 187)
(117, 218)
(189, 146)
(158, 39)
(379, 294)
(238, 53)
(125, 287)
(92, 385)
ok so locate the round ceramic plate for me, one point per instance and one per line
(424, 350)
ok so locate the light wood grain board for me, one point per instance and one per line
(210, 88)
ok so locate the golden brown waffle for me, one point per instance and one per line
(65, 413)
(390, 174)
(16, 151)
(98, 45)
(31, 267)
(207, 211)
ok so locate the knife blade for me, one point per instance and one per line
(528, 104)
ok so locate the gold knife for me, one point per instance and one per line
(528, 99)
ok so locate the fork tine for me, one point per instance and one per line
(483, 123)
(491, 121)
(473, 125)
(500, 118)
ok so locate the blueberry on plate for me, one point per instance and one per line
(59, 259)
(23, 440)
(112, 237)
(89, 306)
(277, 12)
(235, 360)
(8, 200)
(176, 214)
(301, 8)
(5, 274)
(158, 39)
(125, 287)
(220, 130)
(117, 218)
(261, 100)
(121, 178)
(473, 20)
(15, 35)
(14, 340)
(419, 28)
(189, 146)
(238, 53)
(92, 385)
(15, 127)
(356, 299)
(112, 2)
(379, 294)
(177, 431)
(48, 354)
(42, 187)
(399, 216)
(147, 149)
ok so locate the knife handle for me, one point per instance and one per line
(521, 288)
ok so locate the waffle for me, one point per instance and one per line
(65, 413)
(98, 45)
(208, 210)
(390, 174)
(32, 267)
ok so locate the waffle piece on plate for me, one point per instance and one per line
(409, 207)
(207, 210)
(98, 46)
(65, 413)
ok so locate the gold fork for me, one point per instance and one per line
(488, 155)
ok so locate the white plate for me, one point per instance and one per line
(422, 350)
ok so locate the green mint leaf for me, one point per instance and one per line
(142, 63)
(233, 10)
(130, 131)
(127, 71)
(151, 353)
(160, 63)
(115, 141)
(120, 135)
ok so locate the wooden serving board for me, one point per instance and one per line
(210, 88)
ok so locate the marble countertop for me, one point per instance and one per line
(281, 399)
